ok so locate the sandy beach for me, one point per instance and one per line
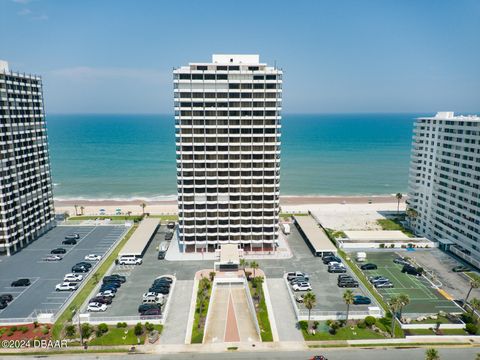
(338, 212)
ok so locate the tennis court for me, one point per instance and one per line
(424, 299)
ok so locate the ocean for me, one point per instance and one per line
(133, 156)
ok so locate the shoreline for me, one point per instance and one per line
(284, 200)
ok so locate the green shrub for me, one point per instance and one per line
(23, 329)
(13, 328)
(102, 328)
(370, 321)
(149, 327)
(138, 330)
(70, 330)
(472, 329)
(45, 330)
(35, 324)
(315, 324)
(121, 325)
(467, 318)
(10, 333)
(362, 325)
(303, 325)
(86, 330)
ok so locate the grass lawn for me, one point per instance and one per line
(199, 320)
(431, 332)
(473, 275)
(111, 217)
(344, 333)
(81, 296)
(287, 215)
(262, 314)
(440, 319)
(117, 336)
(165, 217)
(389, 224)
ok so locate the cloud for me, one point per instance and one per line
(24, 12)
(85, 73)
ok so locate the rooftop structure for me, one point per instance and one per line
(138, 242)
(315, 235)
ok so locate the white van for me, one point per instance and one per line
(286, 229)
(129, 260)
(361, 256)
(157, 300)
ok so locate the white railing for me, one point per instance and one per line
(434, 326)
(130, 320)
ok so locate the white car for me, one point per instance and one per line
(335, 264)
(53, 258)
(151, 295)
(92, 257)
(108, 293)
(72, 277)
(96, 307)
(66, 286)
(130, 261)
(301, 287)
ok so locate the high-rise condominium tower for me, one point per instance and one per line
(445, 182)
(26, 199)
(227, 124)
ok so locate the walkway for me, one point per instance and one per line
(176, 324)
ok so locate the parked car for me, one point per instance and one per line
(298, 280)
(380, 280)
(150, 295)
(327, 259)
(166, 278)
(157, 300)
(461, 268)
(299, 298)
(69, 242)
(372, 279)
(381, 285)
(3, 305)
(302, 287)
(96, 307)
(160, 290)
(106, 293)
(111, 287)
(80, 269)
(401, 261)
(101, 299)
(411, 270)
(21, 282)
(72, 277)
(348, 283)
(6, 297)
(171, 225)
(361, 300)
(74, 236)
(318, 357)
(120, 278)
(58, 251)
(66, 286)
(161, 255)
(130, 261)
(52, 258)
(92, 257)
(328, 253)
(295, 274)
(335, 263)
(151, 312)
(344, 276)
(85, 264)
(336, 269)
(144, 307)
(169, 236)
(369, 266)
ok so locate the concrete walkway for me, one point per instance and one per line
(283, 311)
(177, 319)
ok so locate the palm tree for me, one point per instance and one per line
(475, 304)
(309, 300)
(243, 265)
(432, 354)
(474, 284)
(404, 301)
(399, 197)
(254, 265)
(394, 304)
(348, 298)
(143, 206)
(76, 211)
(82, 208)
(412, 214)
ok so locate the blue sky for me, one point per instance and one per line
(338, 56)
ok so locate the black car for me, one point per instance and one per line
(328, 259)
(109, 286)
(117, 284)
(120, 278)
(409, 269)
(144, 307)
(58, 251)
(6, 297)
(168, 236)
(161, 284)
(336, 269)
(348, 284)
(152, 312)
(165, 278)
(161, 255)
(3, 305)
(159, 290)
(368, 266)
(21, 282)
(171, 225)
(328, 253)
(461, 268)
(69, 242)
(101, 299)
(84, 264)
(79, 269)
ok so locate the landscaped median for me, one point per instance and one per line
(256, 290)
(85, 292)
(201, 309)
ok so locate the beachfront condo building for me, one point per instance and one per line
(26, 199)
(227, 127)
(444, 184)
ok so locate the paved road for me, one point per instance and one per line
(27, 263)
(331, 354)
(177, 319)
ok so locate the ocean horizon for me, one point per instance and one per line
(126, 157)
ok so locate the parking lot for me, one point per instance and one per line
(41, 296)
(329, 296)
(424, 298)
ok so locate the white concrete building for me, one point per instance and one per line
(227, 125)
(26, 199)
(444, 183)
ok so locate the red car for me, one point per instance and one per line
(318, 357)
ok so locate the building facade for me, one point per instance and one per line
(444, 183)
(227, 128)
(26, 199)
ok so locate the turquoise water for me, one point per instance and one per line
(132, 156)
